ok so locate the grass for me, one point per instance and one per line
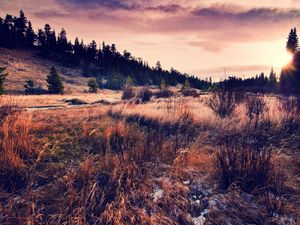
(167, 161)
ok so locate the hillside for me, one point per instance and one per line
(22, 65)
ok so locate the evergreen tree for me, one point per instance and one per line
(158, 66)
(9, 34)
(163, 84)
(62, 41)
(30, 35)
(186, 86)
(292, 43)
(93, 85)
(20, 26)
(41, 37)
(92, 50)
(55, 85)
(2, 79)
(272, 78)
(29, 87)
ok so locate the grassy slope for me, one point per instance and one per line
(23, 65)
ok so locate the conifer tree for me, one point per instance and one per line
(20, 26)
(29, 87)
(292, 43)
(30, 35)
(55, 85)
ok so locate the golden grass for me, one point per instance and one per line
(86, 167)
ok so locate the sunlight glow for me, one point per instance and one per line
(285, 59)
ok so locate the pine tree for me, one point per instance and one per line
(186, 85)
(272, 77)
(55, 85)
(2, 79)
(93, 85)
(20, 26)
(29, 87)
(163, 84)
(30, 35)
(292, 43)
(41, 37)
(62, 41)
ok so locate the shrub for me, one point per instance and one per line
(145, 95)
(222, 103)
(255, 107)
(164, 93)
(93, 86)
(290, 105)
(128, 93)
(190, 92)
(2, 79)
(243, 165)
(8, 110)
(76, 101)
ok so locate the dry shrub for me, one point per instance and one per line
(190, 92)
(164, 93)
(8, 109)
(290, 106)
(256, 107)
(145, 95)
(272, 196)
(16, 151)
(243, 165)
(128, 93)
(222, 103)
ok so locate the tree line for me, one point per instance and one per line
(287, 83)
(103, 62)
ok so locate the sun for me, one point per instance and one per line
(284, 59)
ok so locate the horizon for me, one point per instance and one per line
(203, 38)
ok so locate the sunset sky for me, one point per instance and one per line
(205, 37)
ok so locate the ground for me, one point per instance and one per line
(109, 161)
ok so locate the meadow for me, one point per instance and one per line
(211, 159)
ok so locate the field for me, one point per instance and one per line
(167, 161)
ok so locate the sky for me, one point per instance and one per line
(217, 38)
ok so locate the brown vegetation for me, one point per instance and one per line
(168, 161)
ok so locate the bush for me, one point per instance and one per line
(145, 95)
(222, 103)
(8, 110)
(164, 93)
(128, 93)
(93, 86)
(290, 105)
(243, 165)
(76, 101)
(2, 79)
(255, 107)
(190, 92)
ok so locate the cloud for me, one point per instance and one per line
(51, 14)
(248, 15)
(210, 46)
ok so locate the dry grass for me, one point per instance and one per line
(151, 163)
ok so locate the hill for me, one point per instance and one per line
(22, 65)
(104, 62)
